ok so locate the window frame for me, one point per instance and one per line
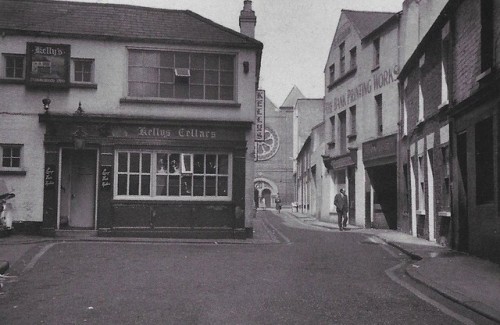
(91, 73)
(342, 58)
(353, 64)
(14, 56)
(155, 172)
(376, 53)
(332, 73)
(166, 81)
(379, 106)
(4, 146)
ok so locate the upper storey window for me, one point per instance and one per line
(181, 75)
(342, 58)
(376, 53)
(14, 66)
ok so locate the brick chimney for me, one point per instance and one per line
(248, 19)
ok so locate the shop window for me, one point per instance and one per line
(484, 161)
(353, 58)
(181, 75)
(11, 155)
(14, 66)
(376, 53)
(342, 58)
(83, 70)
(173, 175)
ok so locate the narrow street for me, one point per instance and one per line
(309, 275)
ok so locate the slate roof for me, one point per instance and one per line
(116, 22)
(366, 22)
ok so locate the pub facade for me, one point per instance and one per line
(129, 129)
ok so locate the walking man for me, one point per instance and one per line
(342, 206)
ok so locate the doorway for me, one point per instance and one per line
(78, 189)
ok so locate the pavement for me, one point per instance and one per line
(467, 280)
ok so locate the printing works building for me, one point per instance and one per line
(148, 120)
(361, 117)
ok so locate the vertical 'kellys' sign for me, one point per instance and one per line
(48, 65)
(260, 107)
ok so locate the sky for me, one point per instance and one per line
(297, 35)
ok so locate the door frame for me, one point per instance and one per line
(59, 178)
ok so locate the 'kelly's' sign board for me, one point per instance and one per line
(48, 65)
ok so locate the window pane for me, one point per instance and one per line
(174, 163)
(161, 185)
(181, 60)
(150, 75)
(134, 185)
(6, 162)
(186, 185)
(134, 162)
(212, 62)
(122, 162)
(151, 59)
(198, 185)
(166, 75)
(196, 92)
(135, 89)
(227, 78)
(146, 163)
(161, 163)
(226, 62)
(211, 164)
(167, 59)
(135, 74)
(222, 186)
(226, 93)
(212, 77)
(173, 185)
(145, 185)
(197, 61)
(16, 162)
(166, 90)
(196, 77)
(198, 164)
(122, 184)
(211, 92)
(223, 164)
(150, 90)
(135, 58)
(210, 186)
(181, 88)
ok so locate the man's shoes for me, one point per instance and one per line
(340, 229)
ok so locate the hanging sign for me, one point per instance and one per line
(260, 107)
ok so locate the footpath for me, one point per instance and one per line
(467, 280)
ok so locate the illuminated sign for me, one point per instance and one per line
(260, 108)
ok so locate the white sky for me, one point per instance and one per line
(296, 34)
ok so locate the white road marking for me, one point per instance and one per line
(35, 259)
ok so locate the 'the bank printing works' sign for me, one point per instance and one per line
(48, 64)
(260, 106)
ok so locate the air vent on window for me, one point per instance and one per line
(182, 72)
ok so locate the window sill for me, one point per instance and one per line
(87, 85)
(444, 214)
(420, 123)
(352, 136)
(185, 102)
(331, 144)
(421, 212)
(12, 81)
(484, 75)
(18, 172)
(443, 105)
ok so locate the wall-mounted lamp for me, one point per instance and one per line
(79, 110)
(246, 67)
(46, 104)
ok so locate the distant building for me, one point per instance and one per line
(148, 127)
(274, 161)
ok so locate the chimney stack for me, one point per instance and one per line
(248, 20)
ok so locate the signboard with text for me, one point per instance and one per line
(260, 108)
(48, 65)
